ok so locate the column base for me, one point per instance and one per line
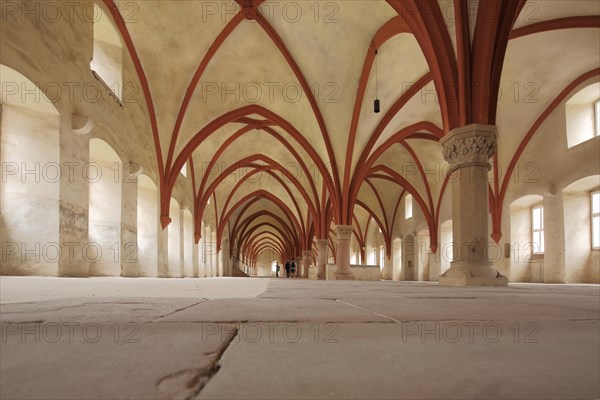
(465, 278)
(129, 271)
(74, 274)
(463, 273)
(321, 277)
(343, 276)
(386, 277)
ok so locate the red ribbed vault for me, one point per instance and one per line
(281, 173)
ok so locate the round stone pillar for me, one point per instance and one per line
(468, 150)
(343, 234)
(305, 263)
(322, 258)
(298, 267)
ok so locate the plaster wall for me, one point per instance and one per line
(29, 201)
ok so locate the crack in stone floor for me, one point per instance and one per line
(216, 366)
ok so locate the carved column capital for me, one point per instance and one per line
(343, 232)
(322, 243)
(469, 146)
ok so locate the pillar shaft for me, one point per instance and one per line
(468, 150)
(322, 251)
(129, 247)
(554, 239)
(343, 235)
(182, 240)
(74, 201)
(208, 251)
(305, 263)
(195, 260)
(214, 254)
(163, 252)
(435, 265)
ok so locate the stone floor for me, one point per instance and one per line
(252, 338)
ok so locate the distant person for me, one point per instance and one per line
(277, 270)
(293, 269)
(287, 268)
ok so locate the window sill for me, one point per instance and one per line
(110, 91)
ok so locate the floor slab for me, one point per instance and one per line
(89, 360)
(388, 361)
(246, 338)
(22, 289)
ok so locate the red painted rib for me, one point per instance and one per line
(143, 82)
(194, 82)
(592, 21)
(313, 103)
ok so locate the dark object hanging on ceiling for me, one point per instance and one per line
(376, 103)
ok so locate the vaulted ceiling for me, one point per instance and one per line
(271, 104)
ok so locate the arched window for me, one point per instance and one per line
(537, 229)
(597, 115)
(595, 197)
(107, 62)
(408, 207)
(583, 115)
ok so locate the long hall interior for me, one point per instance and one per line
(275, 199)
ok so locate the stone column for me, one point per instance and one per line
(435, 266)
(306, 263)
(343, 234)
(129, 247)
(181, 243)
(298, 262)
(322, 251)
(214, 254)
(163, 252)
(468, 150)
(224, 258)
(201, 264)
(554, 237)
(221, 267)
(208, 251)
(74, 196)
(388, 270)
(195, 261)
